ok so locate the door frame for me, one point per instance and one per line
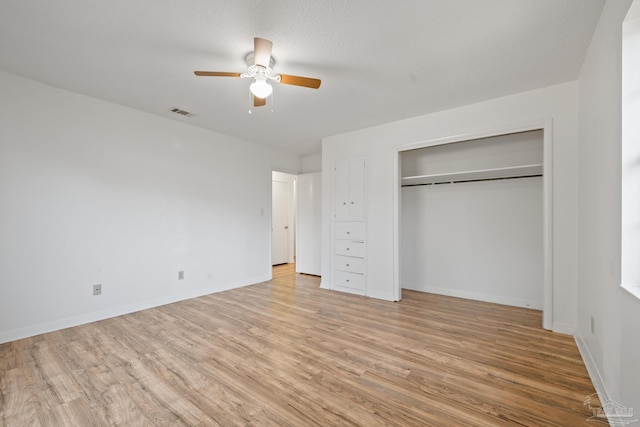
(546, 125)
(280, 222)
(291, 211)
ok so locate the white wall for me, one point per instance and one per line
(380, 143)
(312, 163)
(92, 192)
(515, 149)
(612, 352)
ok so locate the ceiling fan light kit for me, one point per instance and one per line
(261, 88)
(260, 69)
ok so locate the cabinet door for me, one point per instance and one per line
(357, 190)
(341, 191)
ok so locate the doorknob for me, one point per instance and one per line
(286, 227)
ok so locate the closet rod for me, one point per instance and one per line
(472, 180)
(520, 171)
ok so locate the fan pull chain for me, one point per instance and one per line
(273, 97)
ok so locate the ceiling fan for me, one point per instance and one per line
(260, 68)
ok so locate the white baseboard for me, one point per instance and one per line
(563, 328)
(67, 322)
(348, 290)
(592, 369)
(387, 296)
(516, 302)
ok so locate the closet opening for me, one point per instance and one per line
(473, 218)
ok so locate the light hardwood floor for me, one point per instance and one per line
(286, 353)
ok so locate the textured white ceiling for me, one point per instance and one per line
(379, 60)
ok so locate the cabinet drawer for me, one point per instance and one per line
(350, 230)
(348, 263)
(349, 280)
(349, 248)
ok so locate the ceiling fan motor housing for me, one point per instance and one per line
(258, 71)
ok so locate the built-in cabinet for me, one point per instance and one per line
(349, 226)
(350, 190)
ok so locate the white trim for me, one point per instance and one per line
(292, 222)
(563, 328)
(547, 222)
(632, 289)
(42, 328)
(292, 214)
(397, 202)
(385, 295)
(367, 224)
(284, 170)
(476, 296)
(505, 130)
(349, 290)
(269, 224)
(630, 132)
(546, 125)
(592, 368)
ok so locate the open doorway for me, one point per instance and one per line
(283, 222)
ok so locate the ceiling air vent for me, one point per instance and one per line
(182, 112)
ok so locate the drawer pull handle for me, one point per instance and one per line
(347, 265)
(351, 202)
(344, 203)
(347, 248)
(347, 280)
(348, 232)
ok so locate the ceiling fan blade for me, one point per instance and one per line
(259, 102)
(216, 74)
(262, 51)
(300, 81)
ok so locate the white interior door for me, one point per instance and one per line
(280, 223)
(356, 190)
(309, 224)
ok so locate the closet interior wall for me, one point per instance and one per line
(475, 229)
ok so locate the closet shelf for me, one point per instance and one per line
(475, 175)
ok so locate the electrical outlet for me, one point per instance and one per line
(180, 275)
(97, 289)
(593, 326)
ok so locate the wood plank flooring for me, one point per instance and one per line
(286, 353)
